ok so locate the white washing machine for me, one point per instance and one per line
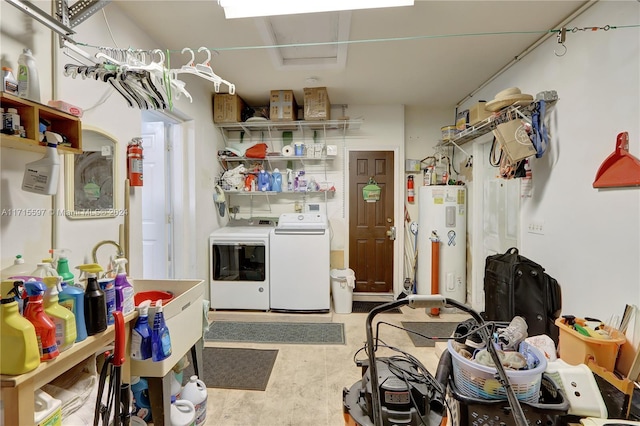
(240, 269)
(300, 249)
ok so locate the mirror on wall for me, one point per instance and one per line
(90, 177)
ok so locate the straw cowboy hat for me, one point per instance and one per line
(510, 96)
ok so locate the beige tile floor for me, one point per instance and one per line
(305, 387)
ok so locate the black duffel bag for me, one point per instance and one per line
(517, 286)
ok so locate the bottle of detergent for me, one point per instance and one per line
(124, 289)
(196, 392)
(141, 402)
(72, 298)
(19, 268)
(95, 305)
(19, 352)
(28, 82)
(107, 285)
(141, 334)
(42, 176)
(183, 413)
(160, 338)
(62, 265)
(63, 318)
(276, 178)
(263, 181)
(45, 328)
(44, 269)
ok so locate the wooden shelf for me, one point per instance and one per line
(30, 114)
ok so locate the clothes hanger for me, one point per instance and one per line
(205, 71)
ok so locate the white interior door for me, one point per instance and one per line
(496, 216)
(155, 210)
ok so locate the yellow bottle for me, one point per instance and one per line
(19, 351)
(63, 318)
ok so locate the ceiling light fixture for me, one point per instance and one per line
(254, 8)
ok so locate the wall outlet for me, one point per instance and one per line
(536, 228)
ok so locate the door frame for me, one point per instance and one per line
(181, 133)
(398, 217)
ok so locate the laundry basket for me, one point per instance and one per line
(343, 281)
(479, 381)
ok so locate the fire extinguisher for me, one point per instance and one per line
(134, 162)
(410, 191)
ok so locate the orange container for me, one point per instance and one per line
(574, 348)
(152, 295)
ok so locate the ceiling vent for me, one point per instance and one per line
(308, 41)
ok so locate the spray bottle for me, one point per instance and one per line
(45, 328)
(124, 289)
(18, 341)
(42, 176)
(61, 257)
(141, 334)
(160, 338)
(95, 305)
(63, 318)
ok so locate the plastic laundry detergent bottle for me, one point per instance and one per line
(276, 178)
(124, 289)
(44, 269)
(18, 268)
(160, 338)
(141, 401)
(72, 298)
(141, 334)
(63, 318)
(196, 392)
(45, 328)
(28, 82)
(95, 305)
(183, 413)
(19, 352)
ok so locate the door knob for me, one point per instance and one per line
(391, 233)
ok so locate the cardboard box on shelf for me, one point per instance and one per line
(227, 108)
(477, 113)
(282, 106)
(316, 104)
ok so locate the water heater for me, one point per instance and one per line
(442, 221)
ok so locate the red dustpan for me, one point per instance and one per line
(620, 168)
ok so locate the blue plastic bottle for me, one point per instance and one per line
(108, 286)
(141, 334)
(72, 298)
(142, 404)
(276, 178)
(160, 338)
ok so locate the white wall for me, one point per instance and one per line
(591, 241)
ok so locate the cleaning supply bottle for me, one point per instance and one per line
(141, 334)
(124, 289)
(19, 268)
(108, 286)
(63, 318)
(44, 269)
(160, 338)
(28, 82)
(72, 298)
(196, 392)
(45, 328)
(41, 176)
(276, 177)
(19, 352)
(95, 305)
(141, 401)
(62, 265)
(183, 413)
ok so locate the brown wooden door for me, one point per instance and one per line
(370, 248)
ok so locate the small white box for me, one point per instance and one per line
(332, 150)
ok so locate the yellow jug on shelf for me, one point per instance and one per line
(63, 318)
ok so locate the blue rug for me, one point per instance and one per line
(276, 332)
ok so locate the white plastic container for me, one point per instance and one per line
(47, 410)
(343, 281)
(195, 391)
(42, 176)
(28, 81)
(183, 413)
(19, 268)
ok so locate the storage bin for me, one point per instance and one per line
(547, 409)
(479, 381)
(283, 106)
(574, 348)
(342, 285)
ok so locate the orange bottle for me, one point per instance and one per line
(45, 328)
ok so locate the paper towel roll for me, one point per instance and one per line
(287, 151)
